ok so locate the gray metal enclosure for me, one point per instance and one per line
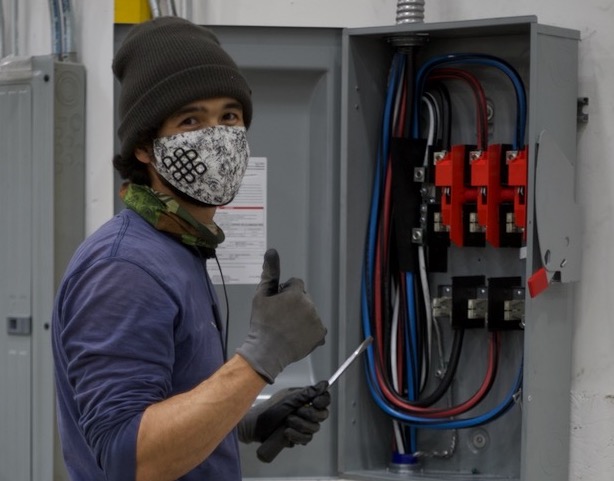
(42, 138)
(318, 99)
(532, 440)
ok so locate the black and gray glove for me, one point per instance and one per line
(291, 416)
(284, 327)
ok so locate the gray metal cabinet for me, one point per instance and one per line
(42, 217)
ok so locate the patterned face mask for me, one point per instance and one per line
(207, 165)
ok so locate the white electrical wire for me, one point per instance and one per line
(431, 98)
(393, 364)
(394, 355)
(398, 437)
(429, 101)
(430, 104)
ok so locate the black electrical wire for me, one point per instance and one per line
(452, 366)
(410, 63)
(227, 329)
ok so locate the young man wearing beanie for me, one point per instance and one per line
(143, 385)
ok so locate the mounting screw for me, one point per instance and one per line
(419, 174)
(416, 235)
(479, 439)
(490, 110)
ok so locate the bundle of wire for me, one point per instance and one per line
(396, 304)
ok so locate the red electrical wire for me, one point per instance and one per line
(478, 396)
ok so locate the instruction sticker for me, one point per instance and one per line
(244, 224)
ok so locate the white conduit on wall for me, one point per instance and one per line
(15, 31)
(154, 7)
(2, 52)
(171, 8)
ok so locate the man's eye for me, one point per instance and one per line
(230, 117)
(189, 121)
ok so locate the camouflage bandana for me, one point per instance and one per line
(165, 214)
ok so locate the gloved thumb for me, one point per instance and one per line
(269, 280)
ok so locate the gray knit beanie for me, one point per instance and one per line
(166, 63)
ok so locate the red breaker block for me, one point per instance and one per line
(487, 179)
(456, 190)
(517, 162)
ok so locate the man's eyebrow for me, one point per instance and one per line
(191, 109)
(233, 105)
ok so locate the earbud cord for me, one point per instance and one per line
(227, 328)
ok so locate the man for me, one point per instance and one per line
(144, 390)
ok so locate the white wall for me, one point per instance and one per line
(592, 396)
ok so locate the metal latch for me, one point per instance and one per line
(19, 326)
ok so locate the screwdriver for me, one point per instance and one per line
(273, 445)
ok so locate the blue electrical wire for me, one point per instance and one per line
(475, 59)
(382, 162)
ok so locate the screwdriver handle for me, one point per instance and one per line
(272, 445)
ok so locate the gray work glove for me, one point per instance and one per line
(284, 327)
(297, 412)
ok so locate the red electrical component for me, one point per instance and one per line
(456, 191)
(486, 177)
(494, 189)
(517, 162)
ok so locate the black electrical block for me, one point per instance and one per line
(469, 302)
(505, 303)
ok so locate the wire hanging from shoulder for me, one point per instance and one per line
(227, 323)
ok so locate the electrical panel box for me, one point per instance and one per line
(42, 139)
(493, 200)
(492, 213)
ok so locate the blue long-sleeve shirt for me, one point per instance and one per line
(134, 323)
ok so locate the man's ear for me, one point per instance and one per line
(144, 155)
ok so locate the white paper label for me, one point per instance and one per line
(244, 224)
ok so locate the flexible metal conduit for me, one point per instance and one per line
(56, 27)
(410, 11)
(68, 38)
(62, 29)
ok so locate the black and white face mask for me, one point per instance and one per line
(207, 165)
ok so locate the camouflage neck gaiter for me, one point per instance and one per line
(165, 214)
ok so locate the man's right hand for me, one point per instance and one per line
(284, 327)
